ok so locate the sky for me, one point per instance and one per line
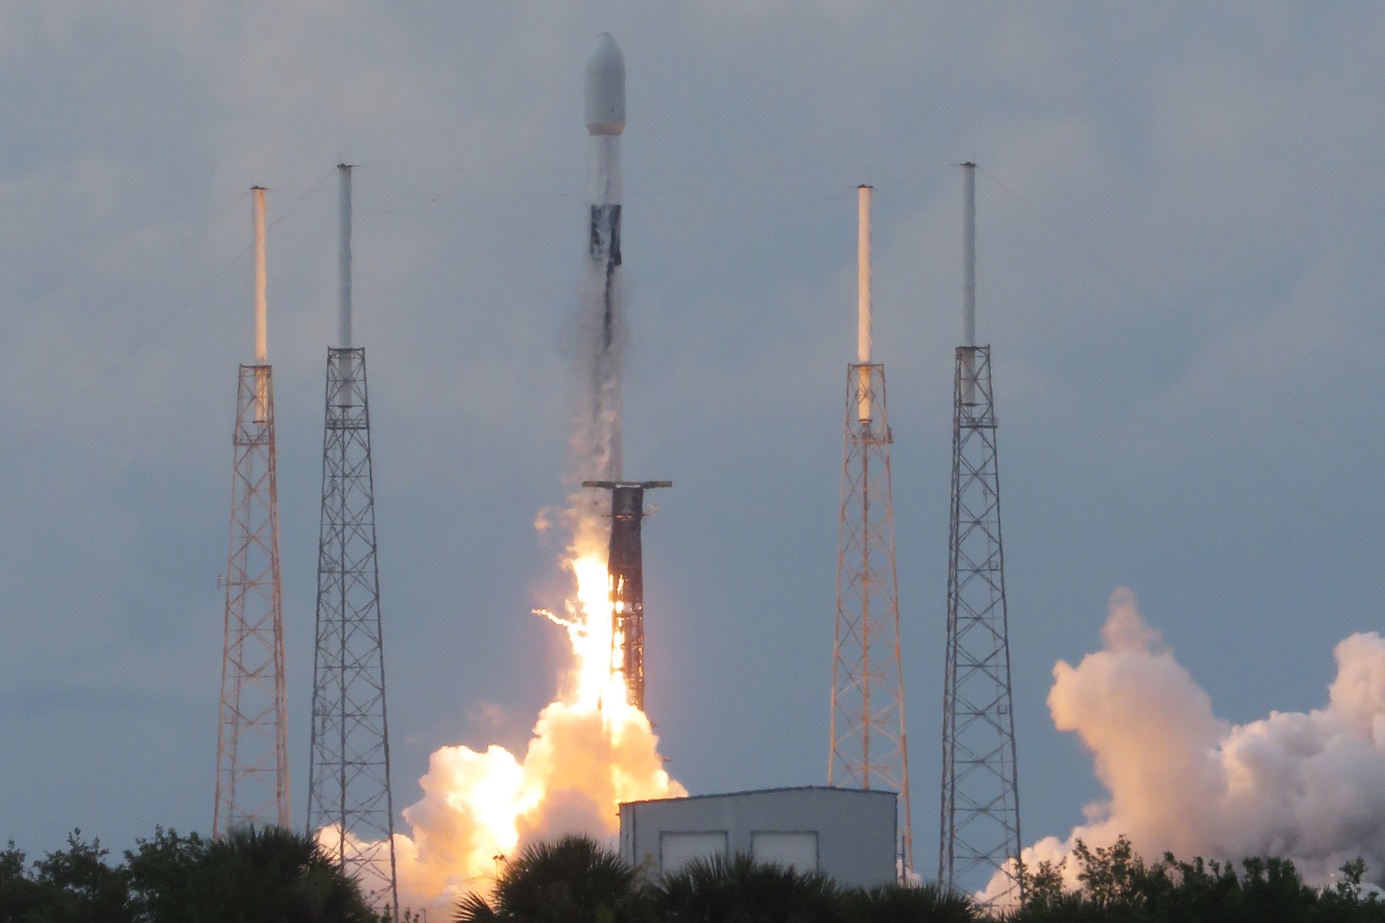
(1179, 217)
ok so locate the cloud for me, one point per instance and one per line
(1307, 786)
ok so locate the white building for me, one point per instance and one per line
(848, 834)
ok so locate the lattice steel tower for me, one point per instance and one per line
(350, 806)
(980, 828)
(869, 747)
(252, 769)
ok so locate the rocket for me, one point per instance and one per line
(603, 339)
(605, 110)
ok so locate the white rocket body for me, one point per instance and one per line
(605, 112)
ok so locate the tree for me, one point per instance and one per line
(906, 904)
(1119, 886)
(1043, 884)
(572, 880)
(75, 885)
(252, 875)
(1111, 875)
(473, 908)
(271, 874)
(741, 890)
(165, 876)
(18, 893)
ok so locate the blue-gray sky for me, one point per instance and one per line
(1180, 214)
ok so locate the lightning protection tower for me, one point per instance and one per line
(868, 744)
(625, 576)
(980, 828)
(252, 770)
(350, 806)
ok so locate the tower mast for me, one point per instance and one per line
(980, 825)
(350, 805)
(868, 743)
(252, 772)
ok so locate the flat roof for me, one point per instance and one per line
(770, 791)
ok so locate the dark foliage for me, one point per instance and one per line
(272, 874)
(1119, 886)
(276, 876)
(473, 908)
(264, 876)
(72, 885)
(575, 879)
(572, 880)
(901, 904)
(165, 875)
(741, 890)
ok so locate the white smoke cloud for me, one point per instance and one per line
(481, 805)
(1304, 786)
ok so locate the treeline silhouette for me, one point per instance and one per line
(576, 880)
(251, 875)
(277, 876)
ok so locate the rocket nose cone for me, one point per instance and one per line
(606, 88)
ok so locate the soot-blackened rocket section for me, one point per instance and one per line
(605, 252)
(625, 573)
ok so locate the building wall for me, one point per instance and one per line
(848, 834)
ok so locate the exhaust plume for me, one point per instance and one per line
(1309, 787)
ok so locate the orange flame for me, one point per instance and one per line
(590, 750)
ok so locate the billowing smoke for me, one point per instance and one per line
(1307, 787)
(478, 806)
